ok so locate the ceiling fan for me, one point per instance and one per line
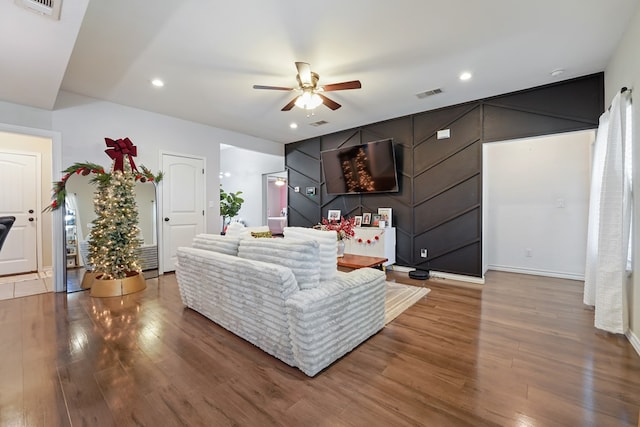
(311, 94)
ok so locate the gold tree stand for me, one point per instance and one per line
(134, 282)
(87, 279)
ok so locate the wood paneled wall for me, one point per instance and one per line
(439, 204)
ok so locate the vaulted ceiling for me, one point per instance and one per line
(211, 53)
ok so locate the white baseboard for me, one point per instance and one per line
(400, 268)
(449, 276)
(547, 273)
(633, 339)
(458, 277)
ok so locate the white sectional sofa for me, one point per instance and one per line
(280, 295)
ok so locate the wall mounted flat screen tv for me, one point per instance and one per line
(366, 168)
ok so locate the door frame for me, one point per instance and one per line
(160, 204)
(57, 238)
(38, 213)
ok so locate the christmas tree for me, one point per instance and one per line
(114, 237)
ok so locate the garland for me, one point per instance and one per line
(371, 241)
(60, 187)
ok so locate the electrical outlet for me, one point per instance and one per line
(423, 253)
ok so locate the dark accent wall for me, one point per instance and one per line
(439, 204)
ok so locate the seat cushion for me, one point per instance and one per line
(301, 256)
(327, 239)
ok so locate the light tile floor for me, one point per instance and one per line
(25, 284)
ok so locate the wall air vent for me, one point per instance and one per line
(319, 123)
(427, 93)
(48, 8)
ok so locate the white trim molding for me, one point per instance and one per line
(534, 272)
(633, 339)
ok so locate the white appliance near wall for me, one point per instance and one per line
(373, 241)
(536, 204)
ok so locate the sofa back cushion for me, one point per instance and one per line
(301, 256)
(217, 243)
(328, 241)
(237, 229)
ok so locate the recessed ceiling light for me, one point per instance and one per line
(465, 76)
(157, 83)
(293, 126)
(557, 72)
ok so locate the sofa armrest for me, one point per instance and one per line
(327, 322)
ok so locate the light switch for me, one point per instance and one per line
(444, 134)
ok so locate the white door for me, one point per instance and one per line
(19, 177)
(182, 204)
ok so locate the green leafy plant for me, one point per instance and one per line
(230, 204)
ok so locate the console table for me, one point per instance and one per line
(384, 247)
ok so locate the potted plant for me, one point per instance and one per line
(230, 204)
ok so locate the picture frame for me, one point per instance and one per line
(385, 215)
(333, 215)
(366, 218)
(357, 221)
(375, 219)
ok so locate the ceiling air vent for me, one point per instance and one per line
(427, 93)
(319, 123)
(48, 8)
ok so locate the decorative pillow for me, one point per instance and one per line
(261, 234)
(328, 241)
(216, 243)
(234, 229)
(301, 256)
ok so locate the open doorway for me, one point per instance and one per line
(275, 192)
(535, 204)
(245, 170)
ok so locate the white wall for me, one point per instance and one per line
(85, 122)
(624, 70)
(537, 196)
(20, 115)
(246, 168)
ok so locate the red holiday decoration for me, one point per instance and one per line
(120, 148)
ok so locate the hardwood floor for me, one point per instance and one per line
(521, 351)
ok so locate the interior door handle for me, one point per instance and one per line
(30, 219)
(166, 219)
(30, 211)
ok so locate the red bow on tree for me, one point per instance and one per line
(118, 150)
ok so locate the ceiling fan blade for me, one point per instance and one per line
(304, 71)
(329, 102)
(290, 105)
(272, 87)
(354, 84)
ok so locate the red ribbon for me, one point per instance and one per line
(119, 149)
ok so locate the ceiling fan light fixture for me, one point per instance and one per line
(308, 101)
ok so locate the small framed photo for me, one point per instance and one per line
(333, 215)
(375, 220)
(385, 215)
(366, 218)
(357, 221)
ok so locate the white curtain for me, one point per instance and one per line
(608, 261)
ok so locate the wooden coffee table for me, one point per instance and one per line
(359, 261)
